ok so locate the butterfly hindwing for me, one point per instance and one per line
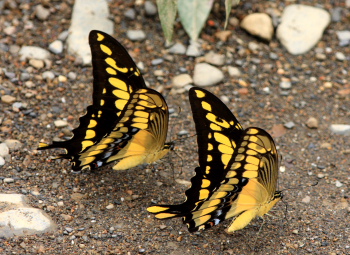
(237, 174)
(122, 107)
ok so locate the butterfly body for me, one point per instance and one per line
(127, 122)
(238, 170)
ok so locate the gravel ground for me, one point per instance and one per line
(104, 212)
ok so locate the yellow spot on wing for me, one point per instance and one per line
(215, 127)
(92, 123)
(205, 183)
(118, 83)
(85, 144)
(121, 94)
(209, 158)
(102, 102)
(90, 134)
(250, 174)
(222, 139)
(140, 120)
(100, 37)
(87, 160)
(251, 167)
(252, 131)
(141, 114)
(200, 94)
(111, 71)
(225, 149)
(252, 160)
(206, 106)
(210, 147)
(140, 125)
(105, 49)
(231, 174)
(203, 194)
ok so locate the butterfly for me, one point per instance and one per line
(127, 122)
(237, 173)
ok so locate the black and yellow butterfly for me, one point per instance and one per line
(238, 170)
(127, 122)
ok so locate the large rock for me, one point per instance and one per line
(17, 218)
(87, 15)
(302, 27)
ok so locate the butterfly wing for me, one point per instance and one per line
(214, 125)
(117, 81)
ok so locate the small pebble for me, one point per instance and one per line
(136, 35)
(7, 99)
(61, 123)
(340, 129)
(62, 78)
(36, 63)
(312, 123)
(320, 176)
(130, 14)
(72, 76)
(150, 8)
(157, 61)
(41, 13)
(10, 30)
(48, 75)
(338, 184)
(340, 56)
(183, 132)
(182, 80)
(193, 50)
(177, 48)
(233, 71)
(285, 84)
(306, 199)
(162, 226)
(289, 125)
(4, 150)
(206, 75)
(9, 180)
(110, 206)
(56, 47)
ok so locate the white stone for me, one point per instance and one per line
(2, 161)
(343, 35)
(177, 48)
(60, 123)
(258, 24)
(302, 27)
(56, 47)
(193, 50)
(33, 52)
(15, 199)
(86, 16)
(24, 221)
(13, 144)
(233, 71)
(340, 129)
(340, 56)
(41, 12)
(214, 58)
(9, 180)
(18, 218)
(136, 35)
(206, 75)
(4, 150)
(48, 75)
(182, 80)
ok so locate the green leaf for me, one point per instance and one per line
(193, 14)
(167, 13)
(228, 7)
